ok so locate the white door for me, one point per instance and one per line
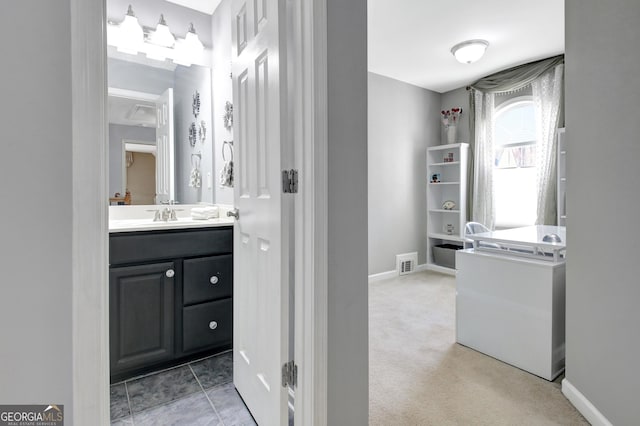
(260, 309)
(164, 145)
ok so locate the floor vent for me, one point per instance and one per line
(406, 263)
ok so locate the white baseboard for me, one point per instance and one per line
(382, 276)
(583, 405)
(422, 267)
(393, 273)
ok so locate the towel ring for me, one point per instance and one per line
(198, 157)
(230, 145)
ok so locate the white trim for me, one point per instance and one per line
(423, 267)
(309, 79)
(383, 276)
(132, 94)
(583, 405)
(441, 269)
(90, 294)
(380, 276)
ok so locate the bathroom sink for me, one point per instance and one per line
(127, 219)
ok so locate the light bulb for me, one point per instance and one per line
(131, 34)
(162, 35)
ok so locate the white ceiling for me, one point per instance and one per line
(204, 6)
(410, 40)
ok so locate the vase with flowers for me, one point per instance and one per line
(450, 119)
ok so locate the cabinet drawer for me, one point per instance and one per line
(207, 325)
(207, 278)
(135, 247)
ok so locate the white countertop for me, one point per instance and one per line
(526, 241)
(140, 218)
(528, 235)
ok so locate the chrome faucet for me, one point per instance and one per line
(166, 213)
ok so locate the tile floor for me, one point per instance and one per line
(198, 393)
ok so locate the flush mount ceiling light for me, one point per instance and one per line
(469, 51)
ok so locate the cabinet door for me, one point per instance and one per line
(141, 309)
(207, 278)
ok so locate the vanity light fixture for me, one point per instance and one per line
(131, 35)
(469, 51)
(159, 43)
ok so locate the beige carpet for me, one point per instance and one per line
(418, 375)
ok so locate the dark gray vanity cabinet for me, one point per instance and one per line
(171, 297)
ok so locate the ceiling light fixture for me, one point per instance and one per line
(469, 51)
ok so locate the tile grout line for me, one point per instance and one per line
(126, 390)
(215, 410)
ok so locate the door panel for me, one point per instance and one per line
(260, 286)
(165, 167)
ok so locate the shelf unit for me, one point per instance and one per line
(562, 177)
(446, 226)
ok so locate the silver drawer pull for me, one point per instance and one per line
(213, 280)
(170, 273)
(213, 325)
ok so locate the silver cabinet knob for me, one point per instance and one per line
(213, 325)
(213, 280)
(170, 273)
(234, 213)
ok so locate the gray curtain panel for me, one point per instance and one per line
(505, 81)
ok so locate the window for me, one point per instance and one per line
(514, 176)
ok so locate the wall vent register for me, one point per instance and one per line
(406, 263)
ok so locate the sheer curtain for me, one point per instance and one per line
(483, 160)
(480, 176)
(547, 92)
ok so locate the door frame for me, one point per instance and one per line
(90, 296)
(307, 46)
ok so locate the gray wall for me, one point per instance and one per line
(403, 121)
(222, 92)
(347, 327)
(602, 69)
(36, 225)
(187, 81)
(117, 133)
(458, 98)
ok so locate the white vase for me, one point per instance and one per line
(451, 134)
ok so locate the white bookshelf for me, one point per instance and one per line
(562, 177)
(446, 226)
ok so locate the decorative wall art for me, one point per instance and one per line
(193, 134)
(196, 104)
(228, 115)
(202, 131)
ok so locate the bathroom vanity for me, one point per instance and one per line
(171, 293)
